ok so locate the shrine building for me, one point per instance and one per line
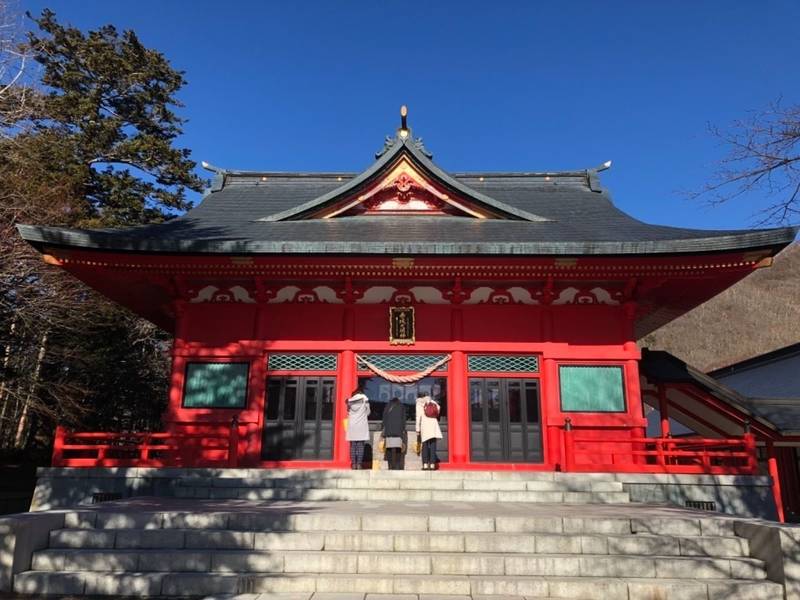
(514, 298)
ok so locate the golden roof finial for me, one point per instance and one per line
(403, 131)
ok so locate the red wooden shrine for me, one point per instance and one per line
(532, 286)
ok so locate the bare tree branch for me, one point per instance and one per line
(763, 158)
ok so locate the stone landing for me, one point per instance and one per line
(739, 495)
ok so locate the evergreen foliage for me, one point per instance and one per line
(89, 142)
(109, 100)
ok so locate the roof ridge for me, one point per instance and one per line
(263, 173)
(291, 173)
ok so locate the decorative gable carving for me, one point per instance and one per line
(404, 190)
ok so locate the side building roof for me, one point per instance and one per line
(773, 374)
(781, 414)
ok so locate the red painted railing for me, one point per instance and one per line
(214, 447)
(690, 455)
(218, 445)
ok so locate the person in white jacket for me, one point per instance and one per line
(357, 426)
(428, 431)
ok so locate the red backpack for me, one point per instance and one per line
(431, 410)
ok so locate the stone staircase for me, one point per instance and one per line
(440, 533)
(404, 486)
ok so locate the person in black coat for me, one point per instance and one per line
(394, 433)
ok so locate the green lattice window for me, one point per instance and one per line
(591, 388)
(301, 362)
(215, 385)
(498, 363)
(403, 362)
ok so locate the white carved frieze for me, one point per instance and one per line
(512, 295)
(479, 295)
(426, 294)
(294, 294)
(596, 295)
(378, 294)
(385, 294)
(212, 293)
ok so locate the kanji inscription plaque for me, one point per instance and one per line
(401, 325)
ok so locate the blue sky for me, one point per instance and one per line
(492, 85)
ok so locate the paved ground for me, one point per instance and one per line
(485, 509)
(363, 597)
(295, 596)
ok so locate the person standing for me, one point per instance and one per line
(428, 429)
(357, 426)
(394, 433)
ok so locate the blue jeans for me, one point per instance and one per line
(429, 452)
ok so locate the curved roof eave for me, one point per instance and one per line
(116, 241)
(399, 146)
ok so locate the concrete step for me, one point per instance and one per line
(418, 519)
(321, 475)
(396, 563)
(641, 544)
(393, 480)
(402, 495)
(183, 584)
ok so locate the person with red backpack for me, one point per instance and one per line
(428, 430)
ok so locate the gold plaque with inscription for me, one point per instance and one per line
(401, 325)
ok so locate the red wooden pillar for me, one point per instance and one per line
(774, 473)
(634, 395)
(178, 365)
(663, 410)
(257, 404)
(58, 447)
(634, 392)
(632, 383)
(750, 449)
(457, 414)
(550, 411)
(347, 379)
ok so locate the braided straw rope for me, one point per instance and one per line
(403, 378)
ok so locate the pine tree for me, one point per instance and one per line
(109, 100)
(92, 143)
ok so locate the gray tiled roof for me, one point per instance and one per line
(770, 375)
(784, 413)
(549, 213)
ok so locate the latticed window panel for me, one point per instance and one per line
(403, 362)
(503, 363)
(301, 362)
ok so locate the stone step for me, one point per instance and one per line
(183, 584)
(402, 495)
(454, 522)
(332, 474)
(396, 563)
(641, 544)
(391, 482)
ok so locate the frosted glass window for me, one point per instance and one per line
(215, 385)
(591, 388)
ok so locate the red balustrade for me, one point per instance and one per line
(632, 454)
(216, 445)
